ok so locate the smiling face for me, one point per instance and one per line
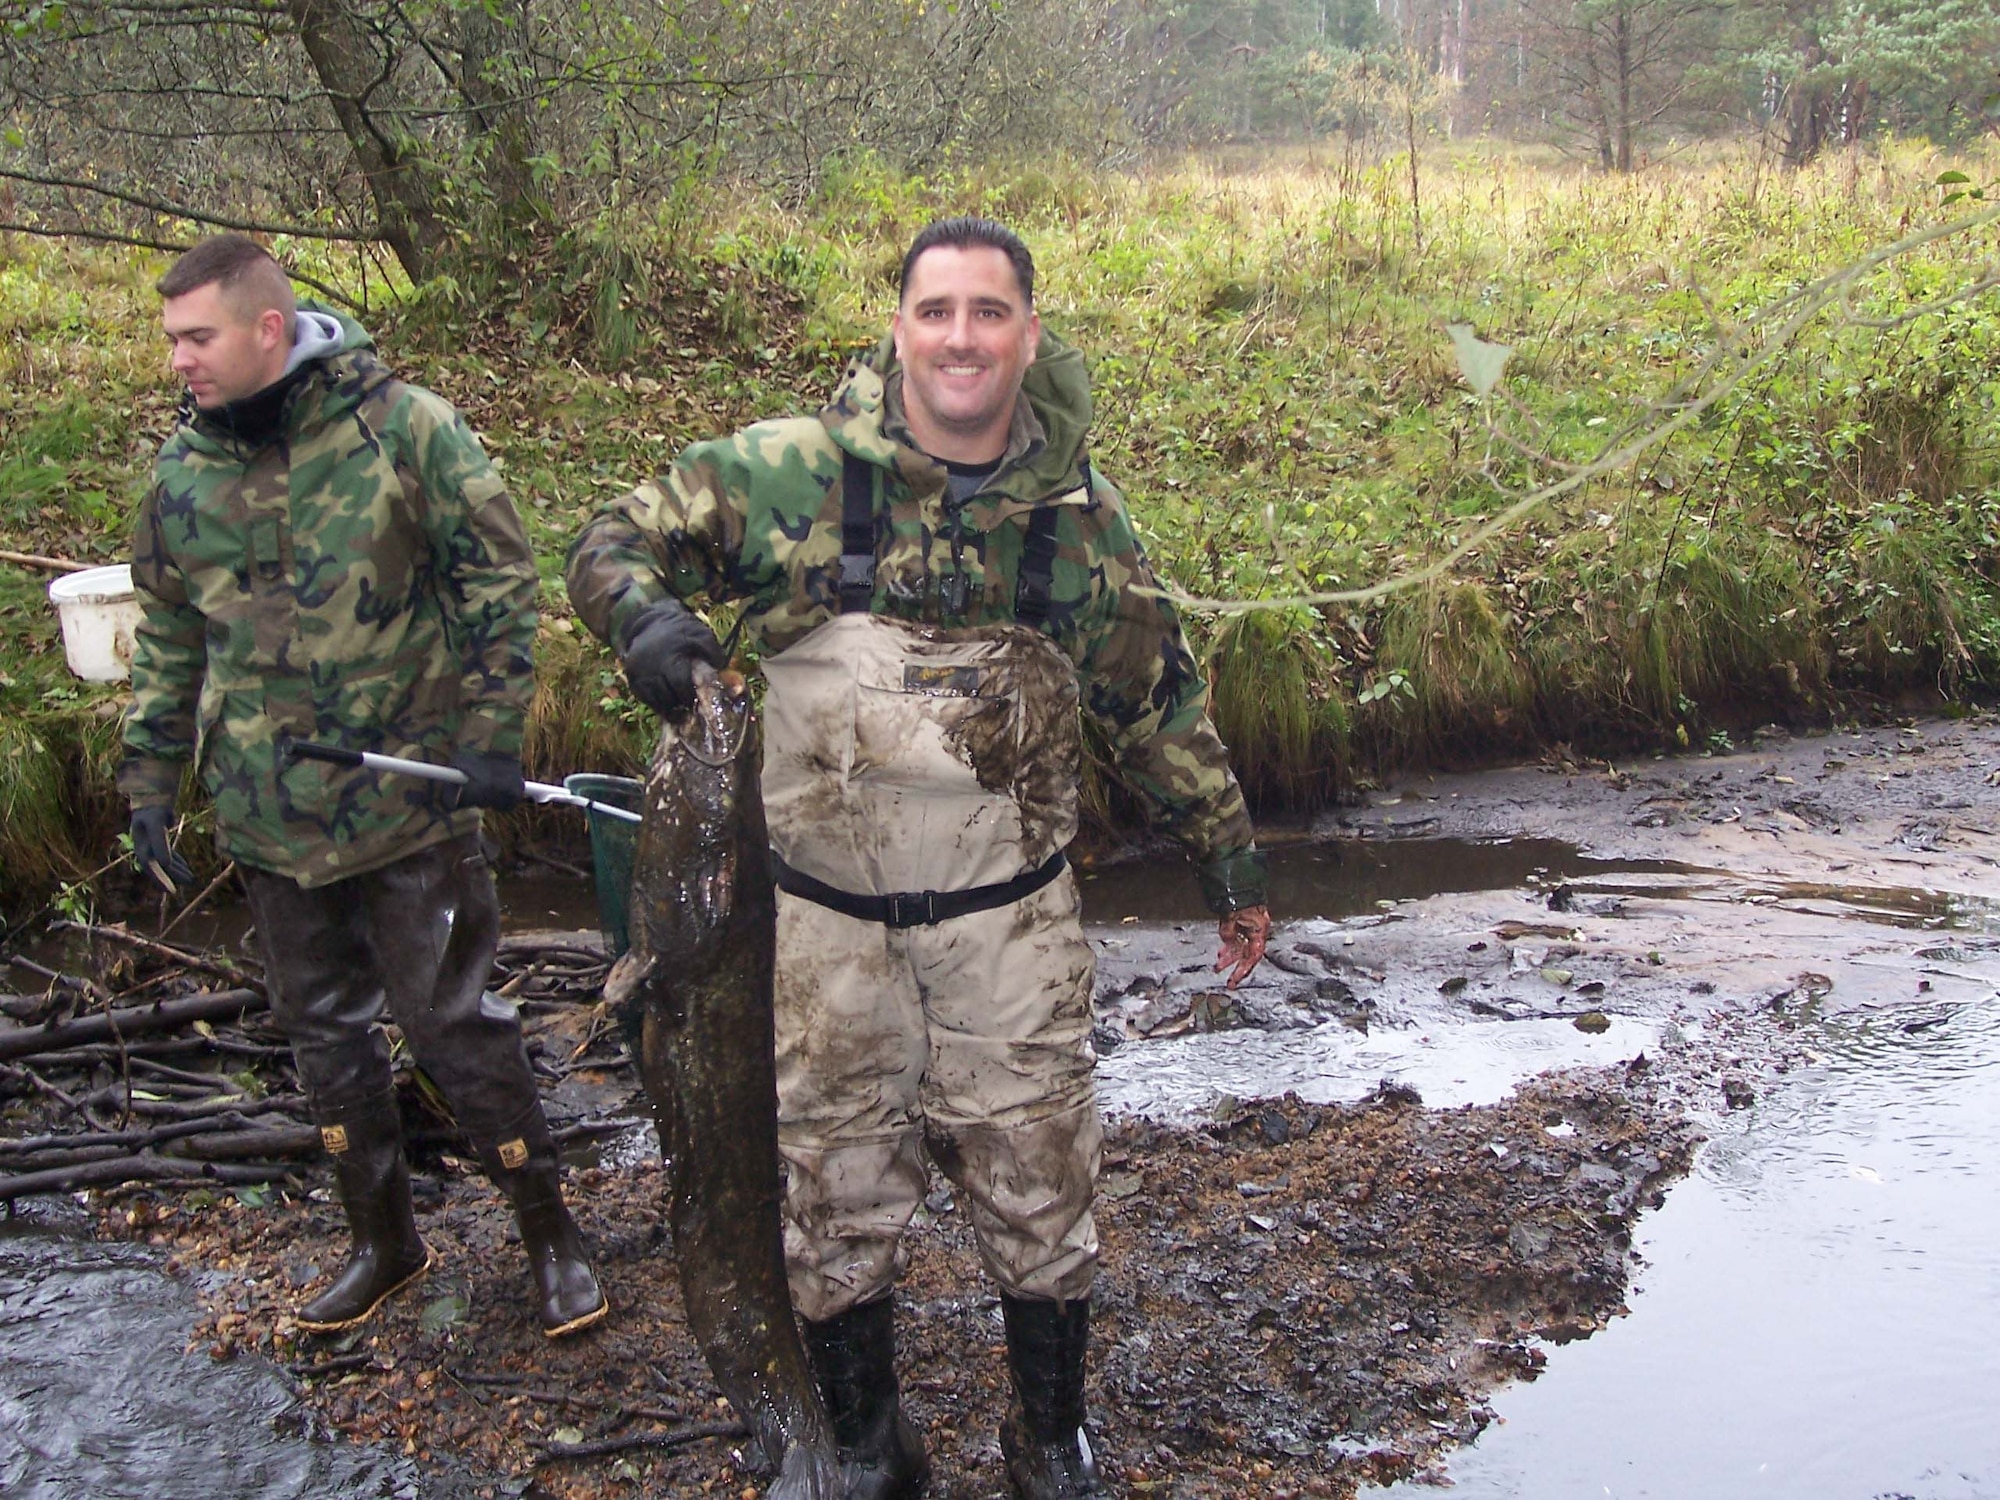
(965, 336)
(221, 351)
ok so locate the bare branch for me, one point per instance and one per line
(181, 211)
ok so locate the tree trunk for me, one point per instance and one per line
(1622, 40)
(353, 66)
(494, 80)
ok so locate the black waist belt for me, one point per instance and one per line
(916, 908)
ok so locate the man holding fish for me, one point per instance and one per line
(326, 556)
(939, 585)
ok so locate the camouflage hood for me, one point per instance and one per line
(1057, 388)
(341, 369)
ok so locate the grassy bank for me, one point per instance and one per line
(1280, 401)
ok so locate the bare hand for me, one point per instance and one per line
(1243, 934)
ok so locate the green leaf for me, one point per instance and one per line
(1946, 178)
(1990, 107)
(570, 1435)
(1480, 362)
(444, 1312)
(256, 1195)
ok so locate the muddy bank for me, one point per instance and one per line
(1294, 1300)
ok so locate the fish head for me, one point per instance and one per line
(702, 849)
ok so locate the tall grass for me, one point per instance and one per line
(1277, 397)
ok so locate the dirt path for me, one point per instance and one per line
(1298, 1296)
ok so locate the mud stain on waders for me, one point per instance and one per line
(1023, 741)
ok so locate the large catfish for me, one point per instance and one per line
(698, 983)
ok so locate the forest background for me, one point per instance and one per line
(1596, 375)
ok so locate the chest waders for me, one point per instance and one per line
(933, 981)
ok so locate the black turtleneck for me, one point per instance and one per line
(258, 418)
(964, 480)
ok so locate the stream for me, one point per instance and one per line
(1816, 1311)
(1817, 1315)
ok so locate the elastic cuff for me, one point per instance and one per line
(1235, 881)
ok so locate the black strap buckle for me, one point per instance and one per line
(912, 909)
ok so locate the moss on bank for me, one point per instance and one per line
(1277, 397)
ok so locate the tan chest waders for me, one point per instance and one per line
(933, 981)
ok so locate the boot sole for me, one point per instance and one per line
(577, 1325)
(430, 1259)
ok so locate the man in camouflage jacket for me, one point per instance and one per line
(326, 556)
(909, 561)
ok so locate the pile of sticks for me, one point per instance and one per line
(177, 1076)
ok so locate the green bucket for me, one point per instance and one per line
(613, 842)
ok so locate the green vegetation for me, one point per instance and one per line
(1281, 404)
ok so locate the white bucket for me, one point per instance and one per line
(99, 613)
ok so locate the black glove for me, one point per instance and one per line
(490, 781)
(151, 850)
(661, 648)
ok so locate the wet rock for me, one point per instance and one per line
(1738, 1094)
(1300, 960)
(1530, 1241)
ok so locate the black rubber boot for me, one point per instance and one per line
(854, 1358)
(524, 1167)
(365, 1140)
(1048, 1452)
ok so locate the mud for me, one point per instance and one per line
(1299, 1294)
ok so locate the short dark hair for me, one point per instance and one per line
(966, 233)
(249, 276)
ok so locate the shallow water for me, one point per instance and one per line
(99, 1398)
(1820, 1313)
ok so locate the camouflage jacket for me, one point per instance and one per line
(365, 582)
(756, 517)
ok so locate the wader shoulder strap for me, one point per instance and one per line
(857, 535)
(1038, 569)
(1035, 587)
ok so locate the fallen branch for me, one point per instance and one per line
(251, 1145)
(32, 1009)
(42, 1085)
(208, 890)
(580, 1129)
(56, 976)
(128, 1140)
(153, 1169)
(36, 560)
(677, 1437)
(181, 956)
(225, 1005)
(113, 1096)
(564, 1398)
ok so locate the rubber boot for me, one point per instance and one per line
(854, 1358)
(365, 1140)
(1048, 1452)
(524, 1167)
